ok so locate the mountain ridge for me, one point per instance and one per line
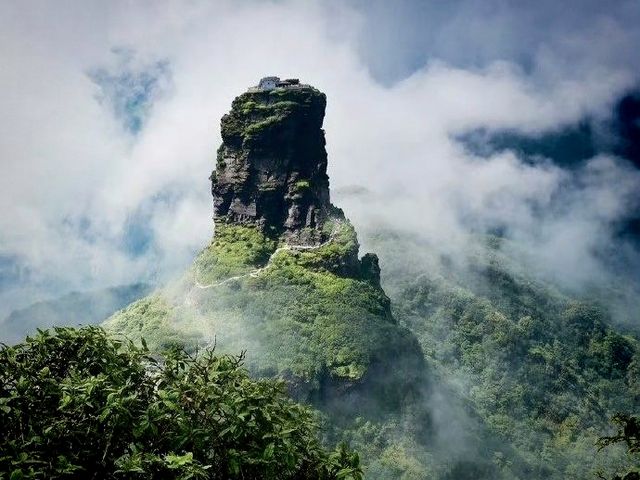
(437, 384)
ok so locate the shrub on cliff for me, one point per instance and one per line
(77, 403)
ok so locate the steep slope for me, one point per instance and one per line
(282, 278)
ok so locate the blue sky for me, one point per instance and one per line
(130, 90)
(398, 38)
(112, 121)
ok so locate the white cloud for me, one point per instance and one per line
(64, 156)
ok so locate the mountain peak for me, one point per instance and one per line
(282, 277)
(271, 169)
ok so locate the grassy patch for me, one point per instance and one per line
(301, 186)
(235, 250)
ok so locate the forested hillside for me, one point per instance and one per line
(544, 371)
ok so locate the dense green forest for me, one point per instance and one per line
(535, 368)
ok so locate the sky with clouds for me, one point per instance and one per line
(110, 123)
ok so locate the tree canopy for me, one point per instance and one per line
(78, 403)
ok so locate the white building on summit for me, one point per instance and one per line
(269, 83)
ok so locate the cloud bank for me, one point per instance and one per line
(111, 121)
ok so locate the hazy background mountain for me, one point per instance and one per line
(72, 309)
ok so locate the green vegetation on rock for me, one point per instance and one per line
(234, 250)
(153, 319)
(254, 113)
(309, 315)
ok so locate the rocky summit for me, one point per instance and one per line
(271, 169)
(282, 278)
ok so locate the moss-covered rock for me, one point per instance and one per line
(234, 250)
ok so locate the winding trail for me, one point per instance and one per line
(254, 273)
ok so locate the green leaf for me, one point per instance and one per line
(205, 403)
(178, 461)
(268, 451)
(16, 475)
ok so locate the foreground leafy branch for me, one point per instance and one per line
(77, 403)
(629, 434)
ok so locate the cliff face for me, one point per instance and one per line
(271, 169)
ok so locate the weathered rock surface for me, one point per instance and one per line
(271, 169)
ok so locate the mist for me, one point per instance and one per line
(111, 122)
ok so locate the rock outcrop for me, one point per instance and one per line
(271, 169)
